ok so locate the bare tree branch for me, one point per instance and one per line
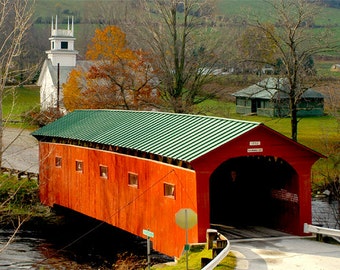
(289, 34)
(183, 49)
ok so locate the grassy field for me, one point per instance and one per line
(313, 132)
(194, 260)
(323, 68)
(18, 101)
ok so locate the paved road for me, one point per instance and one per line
(261, 248)
(20, 150)
(285, 253)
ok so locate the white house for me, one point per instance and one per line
(61, 59)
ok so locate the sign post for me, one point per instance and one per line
(186, 218)
(148, 248)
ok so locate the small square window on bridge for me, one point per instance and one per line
(58, 162)
(133, 179)
(103, 171)
(79, 166)
(169, 190)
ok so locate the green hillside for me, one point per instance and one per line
(233, 10)
(49, 8)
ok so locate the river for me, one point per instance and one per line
(78, 243)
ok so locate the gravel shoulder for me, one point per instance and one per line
(20, 150)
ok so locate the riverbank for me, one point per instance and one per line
(71, 237)
(19, 199)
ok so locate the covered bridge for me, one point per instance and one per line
(136, 169)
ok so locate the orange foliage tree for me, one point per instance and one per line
(72, 89)
(118, 77)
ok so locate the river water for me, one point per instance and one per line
(27, 249)
(78, 243)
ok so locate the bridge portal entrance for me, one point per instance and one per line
(254, 191)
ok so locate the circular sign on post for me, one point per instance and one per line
(186, 218)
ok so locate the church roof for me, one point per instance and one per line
(64, 71)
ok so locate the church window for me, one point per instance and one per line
(64, 45)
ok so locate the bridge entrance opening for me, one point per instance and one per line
(254, 191)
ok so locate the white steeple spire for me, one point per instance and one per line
(62, 44)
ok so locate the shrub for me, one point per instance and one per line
(41, 118)
(18, 193)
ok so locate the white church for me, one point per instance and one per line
(61, 59)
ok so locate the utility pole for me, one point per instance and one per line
(58, 85)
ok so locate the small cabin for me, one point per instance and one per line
(270, 98)
(136, 169)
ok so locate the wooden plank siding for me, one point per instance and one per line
(274, 145)
(112, 200)
(194, 154)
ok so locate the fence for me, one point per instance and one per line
(320, 230)
(220, 251)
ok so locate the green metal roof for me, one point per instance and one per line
(273, 88)
(179, 136)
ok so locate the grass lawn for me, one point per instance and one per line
(18, 101)
(313, 132)
(194, 260)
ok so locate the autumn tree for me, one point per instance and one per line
(183, 48)
(288, 30)
(72, 89)
(118, 77)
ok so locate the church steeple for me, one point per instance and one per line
(62, 50)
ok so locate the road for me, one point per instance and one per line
(20, 150)
(262, 248)
(285, 253)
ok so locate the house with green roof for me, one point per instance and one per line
(270, 98)
(136, 169)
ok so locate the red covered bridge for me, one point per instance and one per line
(136, 170)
